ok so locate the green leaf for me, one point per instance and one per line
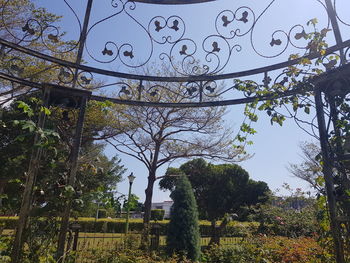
(17, 181)
(295, 106)
(45, 110)
(320, 180)
(20, 138)
(25, 108)
(30, 125)
(34, 100)
(3, 196)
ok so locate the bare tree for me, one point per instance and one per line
(165, 134)
(310, 168)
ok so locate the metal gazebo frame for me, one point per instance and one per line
(199, 85)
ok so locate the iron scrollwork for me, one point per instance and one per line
(37, 29)
(200, 63)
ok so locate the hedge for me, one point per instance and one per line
(106, 225)
(157, 214)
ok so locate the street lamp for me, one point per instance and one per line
(131, 179)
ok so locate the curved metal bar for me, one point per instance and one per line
(273, 95)
(170, 36)
(339, 18)
(255, 71)
(75, 15)
(173, 2)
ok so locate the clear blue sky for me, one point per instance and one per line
(274, 147)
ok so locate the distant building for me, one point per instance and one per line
(166, 205)
(132, 214)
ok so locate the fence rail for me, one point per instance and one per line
(87, 244)
(90, 243)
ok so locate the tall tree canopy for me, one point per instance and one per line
(36, 28)
(96, 172)
(219, 189)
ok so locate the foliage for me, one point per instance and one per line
(183, 231)
(40, 240)
(300, 80)
(39, 243)
(268, 249)
(16, 144)
(110, 225)
(157, 214)
(290, 216)
(104, 120)
(297, 77)
(135, 205)
(310, 170)
(287, 222)
(257, 250)
(4, 246)
(230, 180)
(260, 249)
(222, 191)
(96, 172)
(126, 255)
(15, 15)
(325, 238)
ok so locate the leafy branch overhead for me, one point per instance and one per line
(292, 90)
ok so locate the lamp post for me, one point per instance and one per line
(131, 179)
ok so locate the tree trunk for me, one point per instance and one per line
(148, 201)
(215, 236)
(216, 231)
(3, 183)
(148, 206)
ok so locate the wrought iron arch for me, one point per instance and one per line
(166, 39)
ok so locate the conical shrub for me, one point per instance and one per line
(183, 231)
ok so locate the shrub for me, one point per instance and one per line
(4, 247)
(268, 249)
(9, 222)
(107, 225)
(287, 222)
(157, 214)
(218, 254)
(129, 256)
(183, 230)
